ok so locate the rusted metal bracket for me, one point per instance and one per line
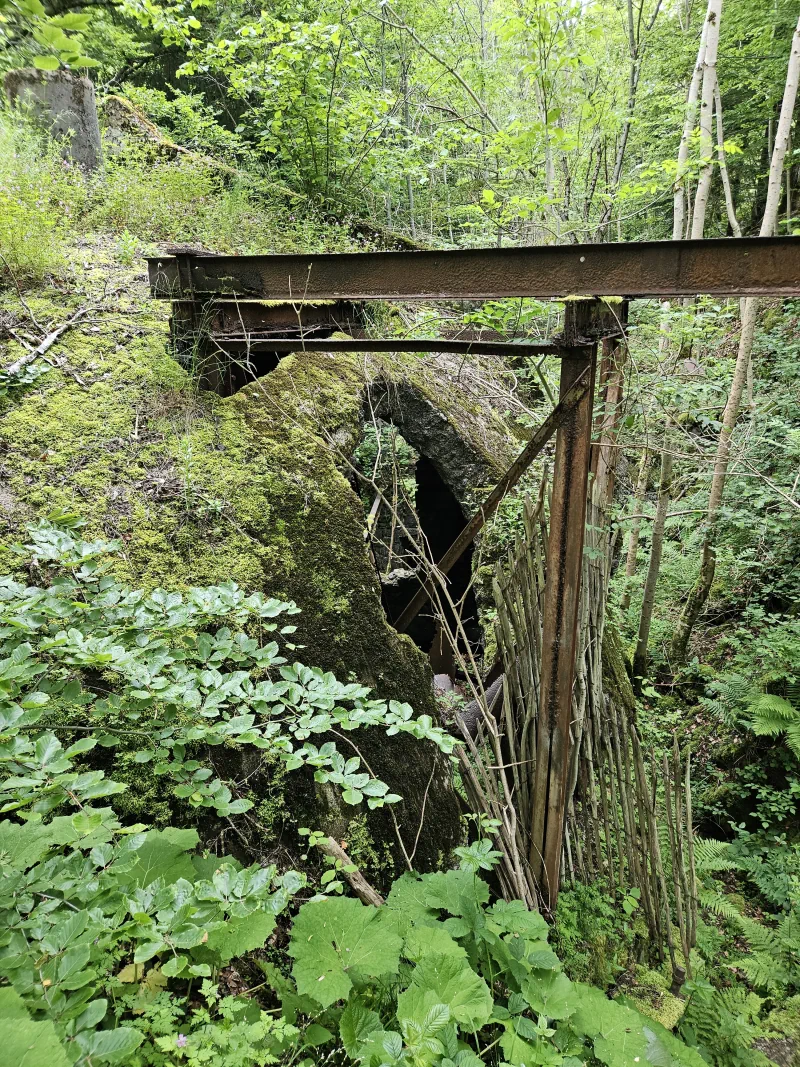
(573, 396)
(393, 344)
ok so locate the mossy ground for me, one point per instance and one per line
(650, 994)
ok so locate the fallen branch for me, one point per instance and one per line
(43, 346)
(358, 883)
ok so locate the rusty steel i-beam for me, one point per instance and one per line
(747, 266)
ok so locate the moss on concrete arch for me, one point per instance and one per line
(251, 488)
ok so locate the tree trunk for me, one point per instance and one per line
(656, 547)
(679, 193)
(699, 594)
(713, 19)
(733, 222)
(633, 536)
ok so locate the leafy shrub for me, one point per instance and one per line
(105, 929)
(439, 975)
(40, 196)
(182, 690)
(190, 120)
(82, 895)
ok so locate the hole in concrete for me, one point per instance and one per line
(420, 501)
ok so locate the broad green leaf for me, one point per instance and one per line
(23, 845)
(163, 855)
(455, 891)
(517, 1052)
(407, 897)
(26, 1043)
(427, 940)
(111, 1046)
(356, 1025)
(446, 979)
(46, 63)
(550, 993)
(616, 1031)
(316, 1035)
(237, 936)
(514, 918)
(332, 938)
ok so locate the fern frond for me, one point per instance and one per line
(789, 932)
(762, 971)
(740, 1001)
(793, 738)
(713, 855)
(769, 705)
(717, 903)
(770, 715)
(760, 938)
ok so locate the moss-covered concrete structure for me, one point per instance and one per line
(254, 488)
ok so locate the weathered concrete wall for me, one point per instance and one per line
(66, 104)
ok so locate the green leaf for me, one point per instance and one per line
(551, 993)
(316, 1035)
(616, 1031)
(46, 63)
(163, 855)
(514, 918)
(26, 1043)
(517, 1051)
(174, 966)
(237, 936)
(356, 1025)
(24, 845)
(455, 891)
(427, 940)
(407, 897)
(111, 1046)
(446, 979)
(332, 938)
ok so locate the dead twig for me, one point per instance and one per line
(15, 367)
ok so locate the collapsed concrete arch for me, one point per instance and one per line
(447, 471)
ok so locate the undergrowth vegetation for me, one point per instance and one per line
(115, 936)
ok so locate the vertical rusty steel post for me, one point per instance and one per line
(560, 615)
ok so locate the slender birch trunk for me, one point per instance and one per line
(709, 68)
(636, 525)
(640, 656)
(699, 594)
(679, 193)
(730, 208)
(705, 73)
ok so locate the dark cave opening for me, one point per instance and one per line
(431, 513)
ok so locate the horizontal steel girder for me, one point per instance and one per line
(390, 344)
(747, 266)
